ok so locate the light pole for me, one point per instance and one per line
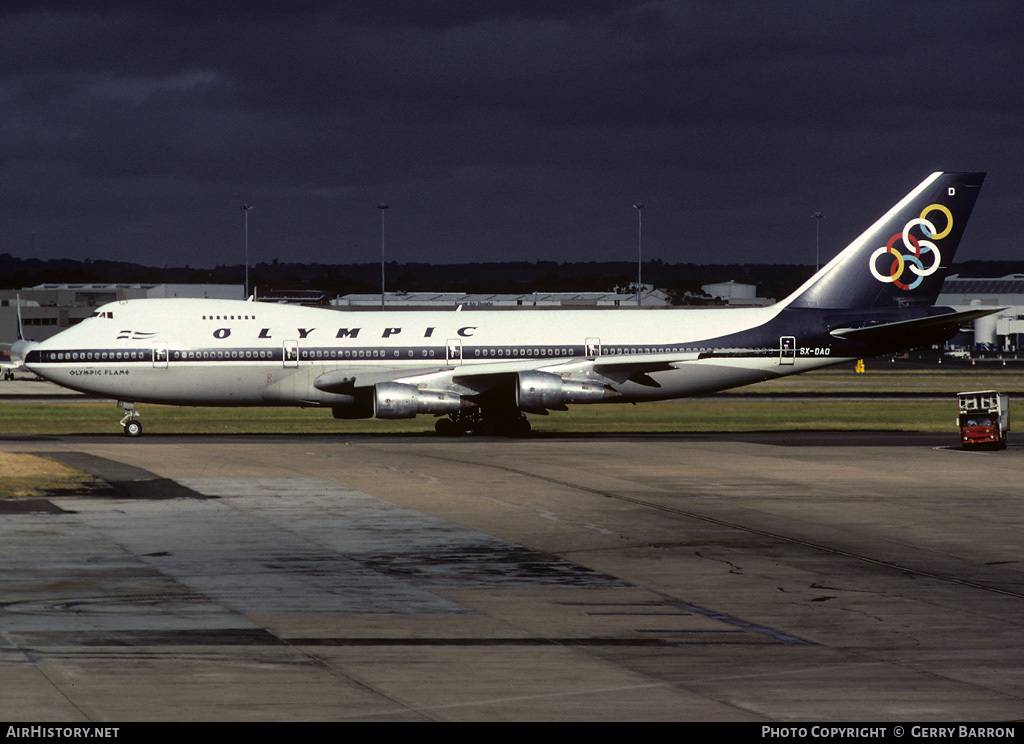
(382, 207)
(246, 208)
(817, 223)
(639, 250)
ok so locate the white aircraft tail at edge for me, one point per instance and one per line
(18, 350)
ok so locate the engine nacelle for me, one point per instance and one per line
(542, 391)
(539, 391)
(396, 400)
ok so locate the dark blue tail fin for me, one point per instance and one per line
(903, 258)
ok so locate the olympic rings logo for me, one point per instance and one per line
(910, 266)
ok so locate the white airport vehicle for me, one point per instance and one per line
(983, 419)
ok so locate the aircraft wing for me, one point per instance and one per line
(481, 376)
(936, 325)
(609, 369)
(636, 367)
(475, 377)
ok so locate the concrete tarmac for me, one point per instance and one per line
(773, 577)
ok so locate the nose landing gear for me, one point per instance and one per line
(130, 423)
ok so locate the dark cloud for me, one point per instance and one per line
(524, 130)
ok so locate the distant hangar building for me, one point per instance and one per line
(650, 297)
(48, 309)
(736, 294)
(1000, 332)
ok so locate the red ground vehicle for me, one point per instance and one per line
(984, 419)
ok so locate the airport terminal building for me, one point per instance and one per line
(48, 309)
(1002, 332)
(649, 297)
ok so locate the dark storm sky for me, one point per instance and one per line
(498, 130)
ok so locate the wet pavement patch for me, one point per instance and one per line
(122, 481)
(156, 573)
(487, 563)
(28, 506)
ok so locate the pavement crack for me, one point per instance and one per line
(733, 568)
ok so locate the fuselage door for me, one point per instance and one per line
(593, 348)
(787, 350)
(290, 353)
(453, 351)
(160, 356)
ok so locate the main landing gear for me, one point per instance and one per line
(130, 423)
(468, 423)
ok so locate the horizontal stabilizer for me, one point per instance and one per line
(905, 331)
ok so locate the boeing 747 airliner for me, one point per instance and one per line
(481, 371)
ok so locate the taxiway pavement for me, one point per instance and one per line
(763, 577)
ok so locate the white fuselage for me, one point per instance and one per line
(223, 352)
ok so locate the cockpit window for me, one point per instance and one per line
(104, 314)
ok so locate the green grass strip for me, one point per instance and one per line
(690, 415)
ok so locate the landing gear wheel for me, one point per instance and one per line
(461, 424)
(521, 427)
(473, 423)
(505, 425)
(130, 423)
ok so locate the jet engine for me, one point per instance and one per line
(396, 400)
(543, 391)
